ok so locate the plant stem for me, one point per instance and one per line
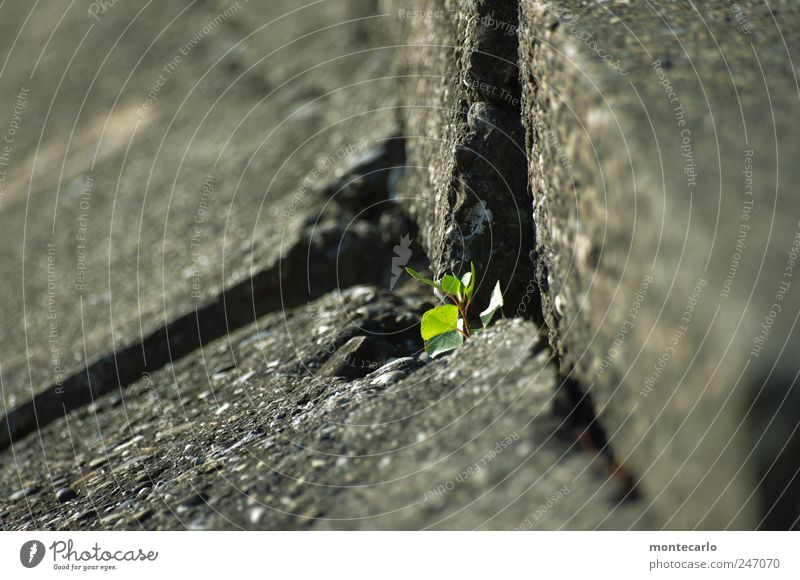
(466, 309)
(462, 310)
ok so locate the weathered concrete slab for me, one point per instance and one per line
(662, 144)
(180, 184)
(348, 242)
(250, 433)
(167, 164)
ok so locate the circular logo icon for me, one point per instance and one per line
(31, 553)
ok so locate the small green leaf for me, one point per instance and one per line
(438, 321)
(495, 303)
(468, 281)
(472, 279)
(443, 343)
(452, 285)
(423, 279)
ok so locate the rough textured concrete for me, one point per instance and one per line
(658, 258)
(250, 433)
(348, 241)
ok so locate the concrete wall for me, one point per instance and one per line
(661, 148)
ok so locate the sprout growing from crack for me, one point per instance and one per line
(445, 327)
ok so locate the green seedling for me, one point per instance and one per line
(445, 327)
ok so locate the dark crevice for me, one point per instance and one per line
(490, 165)
(772, 431)
(576, 406)
(573, 401)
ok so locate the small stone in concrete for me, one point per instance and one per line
(65, 494)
